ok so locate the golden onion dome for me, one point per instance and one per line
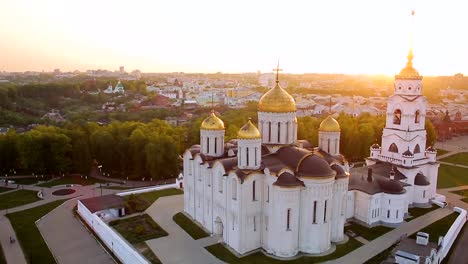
(330, 124)
(409, 72)
(212, 122)
(277, 100)
(249, 131)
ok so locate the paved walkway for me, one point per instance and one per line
(69, 240)
(456, 144)
(178, 247)
(13, 252)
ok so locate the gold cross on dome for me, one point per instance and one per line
(277, 70)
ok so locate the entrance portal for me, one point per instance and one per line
(219, 227)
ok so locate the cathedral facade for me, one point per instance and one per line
(268, 190)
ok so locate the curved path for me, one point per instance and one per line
(178, 247)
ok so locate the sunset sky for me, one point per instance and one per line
(234, 36)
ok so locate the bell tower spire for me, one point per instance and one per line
(406, 111)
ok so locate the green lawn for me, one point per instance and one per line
(442, 152)
(140, 202)
(452, 176)
(2, 256)
(438, 228)
(459, 158)
(71, 180)
(23, 222)
(18, 198)
(379, 258)
(366, 232)
(222, 253)
(137, 230)
(3, 189)
(417, 212)
(189, 226)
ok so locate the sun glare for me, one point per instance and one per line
(209, 36)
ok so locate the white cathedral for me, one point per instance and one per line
(268, 190)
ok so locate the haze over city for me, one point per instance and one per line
(354, 37)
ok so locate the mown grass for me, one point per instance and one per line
(366, 232)
(189, 226)
(140, 202)
(24, 223)
(451, 176)
(18, 198)
(137, 230)
(71, 180)
(438, 228)
(459, 158)
(442, 152)
(417, 212)
(3, 189)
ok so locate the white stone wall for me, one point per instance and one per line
(120, 247)
(225, 205)
(340, 191)
(315, 237)
(407, 134)
(421, 194)
(277, 128)
(350, 204)
(329, 142)
(212, 142)
(249, 153)
(393, 207)
(284, 238)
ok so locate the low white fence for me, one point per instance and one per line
(150, 189)
(453, 232)
(119, 247)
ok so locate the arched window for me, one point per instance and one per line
(393, 148)
(247, 155)
(220, 183)
(279, 132)
(397, 117)
(417, 149)
(325, 212)
(216, 145)
(207, 144)
(288, 220)
(255, 157)
(269, 131)
(268, 194)
(416, 117)
(234, 189)
(314, 216)
(254, 198)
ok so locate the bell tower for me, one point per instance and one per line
(404, 130)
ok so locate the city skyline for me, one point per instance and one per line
(359, 37)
